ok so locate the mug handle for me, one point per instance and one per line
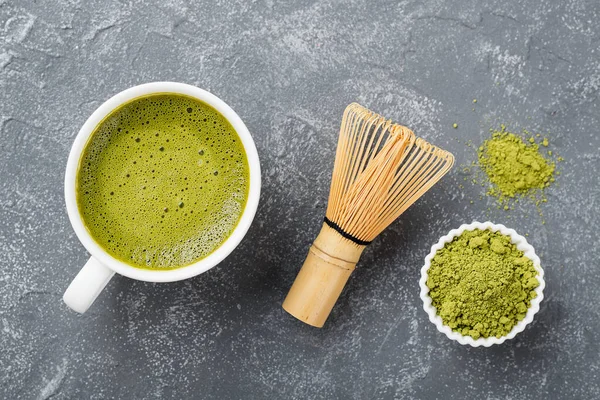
(87, 285)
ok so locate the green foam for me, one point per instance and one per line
(162, 182)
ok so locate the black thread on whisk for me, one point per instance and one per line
(348, 236)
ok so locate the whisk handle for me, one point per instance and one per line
(330, 261)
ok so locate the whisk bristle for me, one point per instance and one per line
(380, 170)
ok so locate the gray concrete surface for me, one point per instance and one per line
(289, 69)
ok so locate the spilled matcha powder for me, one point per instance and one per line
(513, 166)
(481, 284)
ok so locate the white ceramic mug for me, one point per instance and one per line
(101, 266)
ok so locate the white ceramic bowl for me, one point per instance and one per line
(522, 245)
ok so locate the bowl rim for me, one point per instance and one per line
(522, 245)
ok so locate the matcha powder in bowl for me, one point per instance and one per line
(481, 284)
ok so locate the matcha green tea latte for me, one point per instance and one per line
(162, 182)
(480, 284)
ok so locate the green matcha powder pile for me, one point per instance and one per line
(481, 284)
(513, 166)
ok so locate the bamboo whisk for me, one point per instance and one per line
(380, 170)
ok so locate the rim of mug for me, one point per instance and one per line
(218, 254)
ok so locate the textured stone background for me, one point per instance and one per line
(289, 69)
